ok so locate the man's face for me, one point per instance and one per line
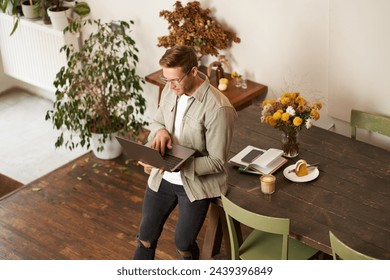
(179, 81)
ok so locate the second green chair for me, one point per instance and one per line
(269, 239)
(368, 121)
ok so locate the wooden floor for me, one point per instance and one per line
(8, 185)
(89, 209)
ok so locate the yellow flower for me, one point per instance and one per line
(315, 115)
(285, 117)
(297, 121)
(277, 115)
(285, 100)
(270, 101)
(270, 120)
(235, 75)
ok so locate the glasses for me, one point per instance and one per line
(174, 81)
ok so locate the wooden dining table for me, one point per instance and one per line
(351, 195)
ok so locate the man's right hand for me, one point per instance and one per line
(162, 141)
(148, 167)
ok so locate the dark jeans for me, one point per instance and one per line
(156, 209)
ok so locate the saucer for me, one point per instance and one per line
(313, 173)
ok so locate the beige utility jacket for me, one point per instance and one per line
(207, 127)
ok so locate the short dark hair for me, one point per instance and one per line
(179, 56)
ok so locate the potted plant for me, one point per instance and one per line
(30, 9)
(59, 14)
(68, 7)
(99, 90)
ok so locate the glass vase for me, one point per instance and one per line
(238, 82)
(290, 143)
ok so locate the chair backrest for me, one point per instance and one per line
(256, 221)
(368, 121)
(343, 251)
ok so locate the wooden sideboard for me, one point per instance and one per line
(239, 97)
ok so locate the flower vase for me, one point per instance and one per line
(290, 143)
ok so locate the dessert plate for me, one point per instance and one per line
(313, 173)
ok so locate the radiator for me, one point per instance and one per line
(32, 53)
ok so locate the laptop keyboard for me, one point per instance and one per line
(171, 161)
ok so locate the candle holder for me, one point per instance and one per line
(267, 184)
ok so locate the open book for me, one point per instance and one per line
(259, 160)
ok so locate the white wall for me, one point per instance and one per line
(285, 44)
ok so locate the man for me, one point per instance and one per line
(194, 114)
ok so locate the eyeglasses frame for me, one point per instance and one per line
(174, 81)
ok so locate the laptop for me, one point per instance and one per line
(170, 161)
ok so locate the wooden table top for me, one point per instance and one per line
(351, 195)
(239, 97)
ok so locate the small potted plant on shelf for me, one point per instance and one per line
(59, 14)
(30, 9)
(98, 92)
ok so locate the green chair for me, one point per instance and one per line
(268, 240)
(372, 122)
(342, 251)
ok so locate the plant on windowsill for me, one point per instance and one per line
(99, 90)
(59, 13)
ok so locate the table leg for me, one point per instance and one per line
(216, 230)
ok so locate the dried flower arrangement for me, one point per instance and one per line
(193, 26)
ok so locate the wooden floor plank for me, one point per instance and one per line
(88, 209)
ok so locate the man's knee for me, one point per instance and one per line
(145, 250)
(143, 243)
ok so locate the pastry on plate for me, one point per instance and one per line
(301, 168)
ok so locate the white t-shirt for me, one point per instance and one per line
(175, 177)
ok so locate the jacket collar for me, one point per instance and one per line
(201, 91)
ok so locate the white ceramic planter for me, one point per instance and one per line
(111, 148)
(60, 19)
(30, 12)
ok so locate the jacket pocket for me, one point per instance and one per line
(193, 133)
